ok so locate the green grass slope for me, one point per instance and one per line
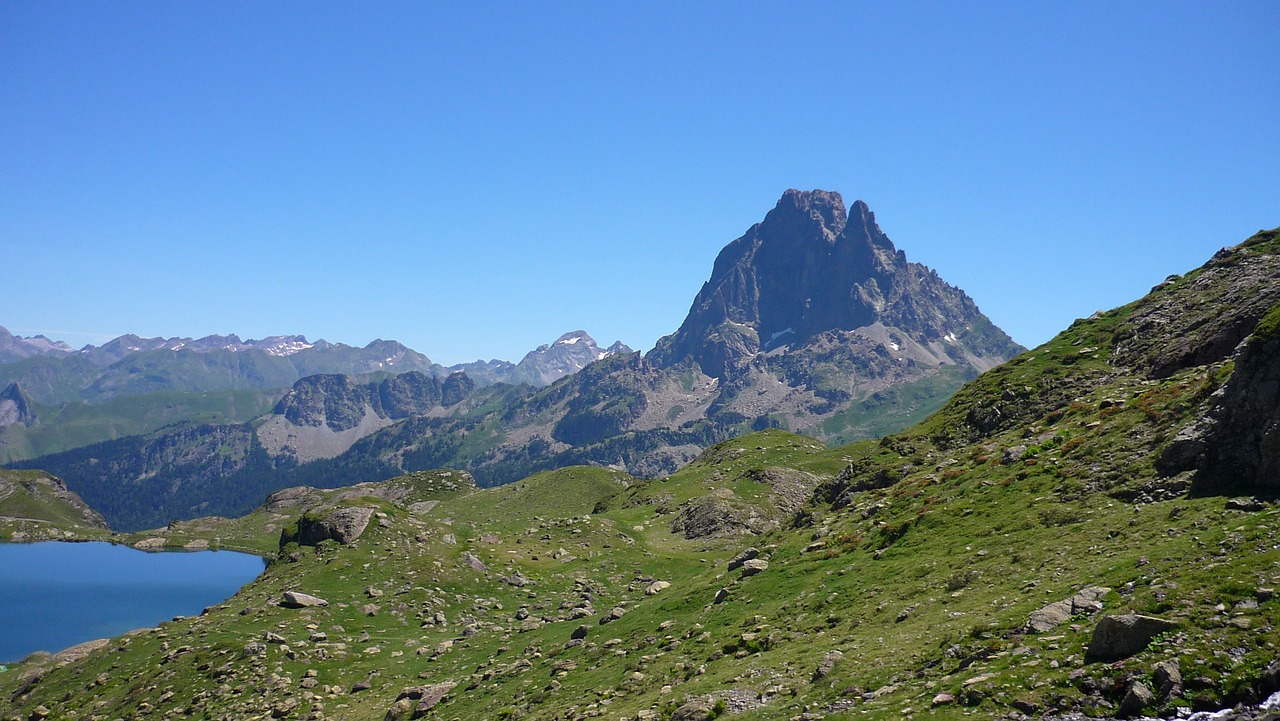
(35, 506)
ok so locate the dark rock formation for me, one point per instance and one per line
(1241, 446)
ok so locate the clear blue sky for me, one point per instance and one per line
(474, 179)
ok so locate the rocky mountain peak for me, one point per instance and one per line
(15, 347)
(808, 268)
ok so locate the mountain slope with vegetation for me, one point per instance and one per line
(1054, 542)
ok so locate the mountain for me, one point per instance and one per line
(809, 272)
(873, 343)
(132, 365)
(543, 365)
(569, 354)
(1086, 531)
(15, 348)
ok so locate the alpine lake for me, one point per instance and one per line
(54, 595)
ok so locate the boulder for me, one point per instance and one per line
(297, 599)
(1088, 600)
(343, 525)
(1136, 698)
(754, 566)
(1167, 677)
(699, 709)
(1117, 637)
(746, 555)
(656, 587)
(474, 562)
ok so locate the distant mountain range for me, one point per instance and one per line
(54, 397)
(811, 321)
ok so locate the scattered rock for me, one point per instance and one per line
(1117, 637)
(721, 596)
(614, 614)
(699, 709)
(943, 699)
(754, 566)
(1088, 600)
(297, 599)
(517, 579)
(1250, 505)
(581, 631)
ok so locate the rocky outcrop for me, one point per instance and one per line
(1202, 317)
(1240, 445)
(16, 407)
(343, 525)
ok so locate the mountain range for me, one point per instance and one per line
(131, 385)
(1088, 530)
(811, 321)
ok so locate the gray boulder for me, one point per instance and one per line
(1136, 698)
(297, 599)
(1117, 637)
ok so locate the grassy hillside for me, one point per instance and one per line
(75, 423)
(893, 578)
(35, 506)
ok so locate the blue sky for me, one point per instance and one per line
(475, 179)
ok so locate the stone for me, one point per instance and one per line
(614, 614)
(943, 699)
(721, 596)
(474, 562)
(1087, 600)
(746, 555)
(698, 709)
(656, 587)
(1136, 698)
(297, 599)
(516, 579)
(581, 631)
(754, 566)
(1249, 505)
(1117, 637)
(827, 665)
(1167, 677)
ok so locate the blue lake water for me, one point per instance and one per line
(54, 595)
